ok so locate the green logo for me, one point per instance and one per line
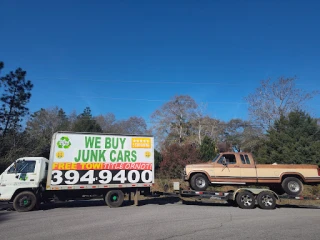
(64, 142)
(23, 177)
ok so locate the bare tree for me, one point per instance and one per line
(200, 115)
(242, 135)
(173, 118)
(273, 99)
(213, 128)
(133, 125)
(45, 122)
(251, 138)
(107, 122)
(41, 126)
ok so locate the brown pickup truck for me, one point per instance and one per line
(231, 168)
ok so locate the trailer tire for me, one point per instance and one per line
(267, 200)
(199, 182)
(292, 186)
(245, 200)
(25, 201)
(114, 198)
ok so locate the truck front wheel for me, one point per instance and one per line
(199, 182)
(24, 201)
(292, 186)
(114, 198)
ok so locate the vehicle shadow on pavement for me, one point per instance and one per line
(97, 203)
(4, 216)
(5, 206)
(159, 201)
(298, 206)
(72, 204)
(200, 203)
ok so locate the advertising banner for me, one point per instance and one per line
(82, 159)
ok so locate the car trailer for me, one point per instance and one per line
(245, 198)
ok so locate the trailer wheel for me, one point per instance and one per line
(266, 200)
(24, 201)
(199, 182)
(114, 198)
(292, 186)
(245, 200)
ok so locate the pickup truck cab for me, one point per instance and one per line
(230, 168)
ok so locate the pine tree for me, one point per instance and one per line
(16, 94)
(86, 123)
(293, 139)
(207, 149)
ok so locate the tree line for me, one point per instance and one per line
(279, 130)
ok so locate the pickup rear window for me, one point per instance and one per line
(245, 159)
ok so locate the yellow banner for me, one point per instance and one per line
(141, 142)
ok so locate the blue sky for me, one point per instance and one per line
(131, 57)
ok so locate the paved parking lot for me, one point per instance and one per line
(166, 219)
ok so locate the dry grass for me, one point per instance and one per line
(293, 202)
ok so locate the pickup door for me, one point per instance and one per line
(248, 169)
(235, 169)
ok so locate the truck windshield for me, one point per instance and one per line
(23, 167)
(215, 158)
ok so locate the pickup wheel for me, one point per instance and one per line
(24, 201)
(266, 200)
(292, 186)
(199, 182)
(114, 198)
(245, 200)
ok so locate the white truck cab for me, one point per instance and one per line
(25, 173)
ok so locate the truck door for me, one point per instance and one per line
(227, 170)
(19, 175)
(248, 169)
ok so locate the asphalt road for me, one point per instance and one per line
(159, 220)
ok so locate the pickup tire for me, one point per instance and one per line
(292, 186)
(267, 200)
(245, 200)
(199, 182)
(24, 201)
(114, 198)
